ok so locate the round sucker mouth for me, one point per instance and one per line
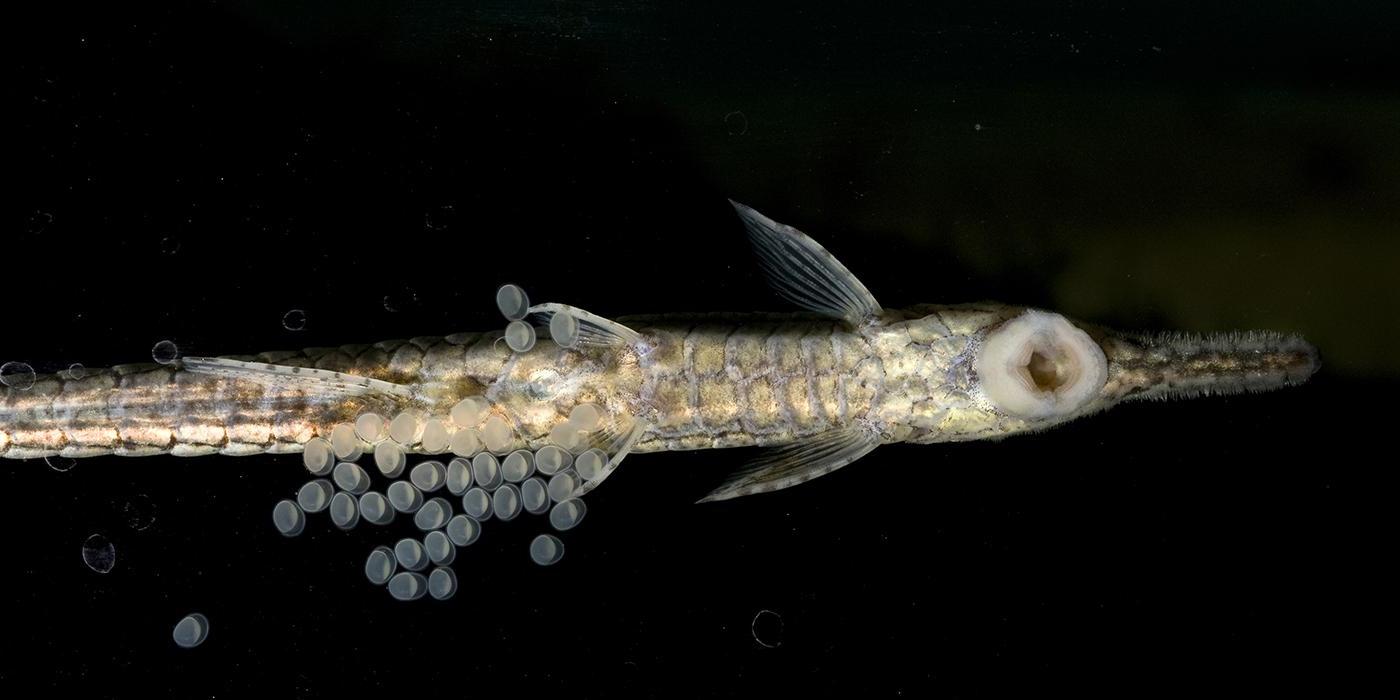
(1039, 365)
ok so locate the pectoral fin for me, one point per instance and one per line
(793, 464)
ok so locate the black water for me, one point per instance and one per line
(197, 172)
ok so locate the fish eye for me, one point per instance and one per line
(1039, 365)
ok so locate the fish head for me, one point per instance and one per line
(995, 370)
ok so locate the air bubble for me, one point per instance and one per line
(562, 486)
(315, 496)
(77, 371)
(369, 427)
(546, 550)
(380, 565)
(534, 496)
(552, 459)
(294, 320)
(401, 299)
(343, 441)
(376, 509)
(442, 583)
(435, 436)
(288, 518)
(165, 352)
(351, 477)
(410, 554)
(589, 465)
(520, 336)
(476, 503)
(518, 466)
(505, 503)
(496, 434)
(459, 476)
(566, 437)
(563, 329)
(462, 530)
(59, 463)
(585, 417)
(567, 514)
(39, 221)
(405, 428)
(433, 515)
(404, 497)
(99, 554)
(139, 511)
(439, 219)
(469, 412)
(428, 476)
(439, 548)
(407, 585)
(169, 245)
(486, 471)
(191, 631)
(390, 459)
(512, 301)
(17, 375)
(345, 511)
(736, 124)
(767, 629)
(465, 442)
(318, 457)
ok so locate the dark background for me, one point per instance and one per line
(194, 172)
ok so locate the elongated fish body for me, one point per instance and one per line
(566, 394)
(729, 380)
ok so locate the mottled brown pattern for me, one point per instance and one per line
(152, 409)
(690, 382)
(716, 384)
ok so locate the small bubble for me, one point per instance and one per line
(294, 320)
(736, 123)
(401, 300)
(39, 221)
(99, 554)
(60, 464)
(440, 218)
(17, 375)
(139, 511)
(767, 629)
(165, 352)
(191, 631)
(169, 245)
(76, 371)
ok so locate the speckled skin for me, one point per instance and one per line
(697, 382)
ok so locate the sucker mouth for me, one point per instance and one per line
(1185, 365)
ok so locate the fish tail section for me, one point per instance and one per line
(553, 420)
(177, 408)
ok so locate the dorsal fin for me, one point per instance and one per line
(793, 464)
(306, 378)
(803, 272)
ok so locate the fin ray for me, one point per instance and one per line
(618, 447)
(303, 377)
(794, 464)
(804, 272)
(593, 330)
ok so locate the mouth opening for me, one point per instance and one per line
(1039, 365)
(1048, 371)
